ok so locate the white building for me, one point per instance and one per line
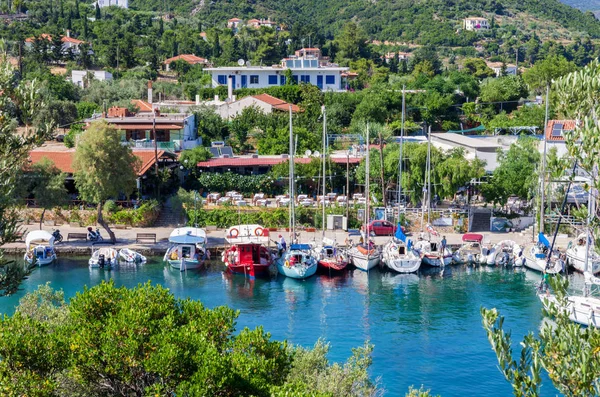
(263, 102)
(111, 3)
(304, 70)
(78, 76)
(476, 23)
(68, 43)
(497, 68)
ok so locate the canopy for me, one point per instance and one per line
(400, 234)
(39, 236)
(187, 235)
(240, 234)
(300, 247)
(472, 237)
(542, 239)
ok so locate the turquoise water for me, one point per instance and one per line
(426, 328)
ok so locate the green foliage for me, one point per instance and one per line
(478, 68)
(143, 216)
(110, 207)
(516, 173)
(420, 392)
(547, 70)
(86, 109)
(119, 341)
(245, 184)
(507, 88)
(191, 157)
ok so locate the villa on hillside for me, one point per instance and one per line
(111, 3)
(497, 68)
(68, 43)
(306, 65)
(475, 23)
(264, 102)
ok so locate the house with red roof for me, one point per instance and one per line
(189, 58)
(264, 102)
(555, 134)
(68, 43)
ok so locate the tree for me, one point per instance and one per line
(98, 15)
(24, 98)
(190, 158)
(47, 184)
(568, 352)
(516, 172)
(478, 68)
(502, 89)
(547, 70)
(103, 168)
(351, 44)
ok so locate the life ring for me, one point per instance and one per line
(237, 233)
(258, 231)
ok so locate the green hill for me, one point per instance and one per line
(423, 21)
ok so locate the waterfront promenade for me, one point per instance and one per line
(216, 239)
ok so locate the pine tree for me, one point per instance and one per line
(98, 14)
(77, 9)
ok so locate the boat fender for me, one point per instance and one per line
(231, 234)
(207, 253)
(258, 231)
(287, 263)
(223, 257)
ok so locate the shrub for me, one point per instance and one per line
(110, 207)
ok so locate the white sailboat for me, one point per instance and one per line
(578, 252)
(297, 261)
(536, 257)
(365, 256)
(398, 254)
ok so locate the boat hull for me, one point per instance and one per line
(249, 269)
(403, 265)
(364, 262)
(297, 271)
(436, 260)
(532, 262)
(185, 264)
(578, 263)
(338, 266)
(581, 309)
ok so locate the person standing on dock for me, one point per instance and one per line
(282, 244)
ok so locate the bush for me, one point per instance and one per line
(110, 207)
(143, 216)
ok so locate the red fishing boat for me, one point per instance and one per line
(248, 253)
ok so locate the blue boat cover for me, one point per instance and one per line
(540, 256)
(300, 247)
(542, 239)
(400, 234)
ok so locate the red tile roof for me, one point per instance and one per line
(144, 126)
(48, 37)
(568, 125)
(142, 105)
(277, 103)
(265, 162)
(234, 20)
(189, 58)
(64, 159)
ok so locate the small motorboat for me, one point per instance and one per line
(39, 248)
(104, 258)
(470, 251)
(504, 253)
(188, 248)
(130, 256)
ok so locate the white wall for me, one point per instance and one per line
(77, 76)
(263, 77)
(115, 3)
(231, 110)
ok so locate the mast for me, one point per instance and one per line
(429, 174)
(424, 205)
(588, 236)
(542, 193)
(367, 170)
(291, 180)
(323, 161)
(400, 158)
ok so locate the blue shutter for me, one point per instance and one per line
(273, 79)
(222, 79)
(281, 80)
(330, 79)
(320, 81)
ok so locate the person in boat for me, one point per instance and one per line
(580, 242)
(232, 255)
(174, 255)
(196, 255)
(444, 242)
(282, 244)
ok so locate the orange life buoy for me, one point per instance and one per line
(237, 233)
(258, 231)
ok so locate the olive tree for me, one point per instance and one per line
(103, 168)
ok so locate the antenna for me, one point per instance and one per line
(241, 62)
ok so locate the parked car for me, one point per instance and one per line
(381, 228)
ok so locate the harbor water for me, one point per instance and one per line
(426, 327)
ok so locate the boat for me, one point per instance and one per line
(247, 254)
(130, 256)
(536, 257)
(365, 255)
(329, 255)
(470, 251)
(504, 253)
(576, 255)
(39, 248)
(105, 257)
(188, 248)
(297, 261)
(399, 254)
(432, 254)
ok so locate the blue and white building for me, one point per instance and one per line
(305, 69)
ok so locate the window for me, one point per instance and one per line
(297, 63)
(222, 79)
(330, 79)
(272, 79)
(314, 63)
(306, 63)
(254, 79)
(281, 80)
(295, 78)
(289, 63)
(305, 78)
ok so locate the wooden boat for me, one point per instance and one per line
(188, 248)
(39, 247)
(247, 254)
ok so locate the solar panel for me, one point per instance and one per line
(214, 151)
(557, 129)
(227, 151)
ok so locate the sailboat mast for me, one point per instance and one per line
(423, 205)
(367, 171)
(429, 174)
(543, 173)
(323, 161)
(588, 236)
(400, 158)
(291, 187)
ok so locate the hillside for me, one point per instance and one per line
(432, 22)
(585, 5)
